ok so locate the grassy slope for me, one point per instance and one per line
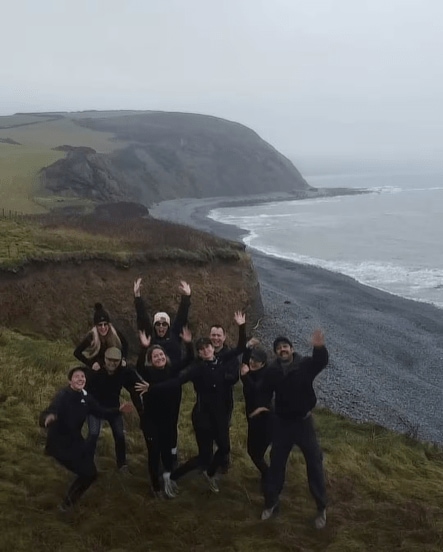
(19, 165)
(385, 490)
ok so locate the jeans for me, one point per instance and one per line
(117, 428)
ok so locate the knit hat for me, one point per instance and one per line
(113, 353)
(100, 315)
(202, 342)
(281, 339)
(258, 354)
(162, 317)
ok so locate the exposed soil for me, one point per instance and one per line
(56, 299)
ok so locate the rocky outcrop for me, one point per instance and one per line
(172, 155)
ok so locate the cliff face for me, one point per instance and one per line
(172, 155)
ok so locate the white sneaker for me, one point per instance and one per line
(269, 512)
(169, 486)
(213, 485)
(320, 519)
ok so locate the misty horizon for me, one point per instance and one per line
(330, 80)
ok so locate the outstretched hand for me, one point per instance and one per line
(318, 339)
(186, 334)
(253, 342)
(240, 318)
(141, 387)
(244, 369)
(137, 287)
(184, 288)
(145, 340)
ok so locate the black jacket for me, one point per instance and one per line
(159, 401)
(106, 388)
(171, 342)
(70, 408)
(100, 356)
(293, 384)
(252, 388)
(213, 380)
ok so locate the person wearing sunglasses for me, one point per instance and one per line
(103, 335)
(168, 336)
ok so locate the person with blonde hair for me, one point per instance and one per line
(103, 335)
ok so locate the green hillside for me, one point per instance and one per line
(385, 489)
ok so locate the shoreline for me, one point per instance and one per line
(386, 352)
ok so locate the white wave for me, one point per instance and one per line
(412, 283)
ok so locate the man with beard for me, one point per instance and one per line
(290, 379)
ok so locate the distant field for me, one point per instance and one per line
(20, 164)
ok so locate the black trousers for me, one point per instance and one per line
(286, 434)
(116, 422)
(158, 438)
(77, 459)
(259, 439)
(210, 427)
(176, 402)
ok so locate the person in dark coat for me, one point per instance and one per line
(168, 336)
(211, 376)
(91, 350)
(253, 372)
(155, 368)
(64, 419)
(105, 385)
(290, 379)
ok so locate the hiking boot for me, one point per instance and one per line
(269, 512)
(320, 519)
(170, 486)
(213, 485)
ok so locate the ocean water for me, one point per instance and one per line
(390, 239)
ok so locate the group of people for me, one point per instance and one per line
(278, 396)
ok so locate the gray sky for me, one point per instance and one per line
(316, 78)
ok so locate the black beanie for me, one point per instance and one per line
(100, 315)
(281, 339)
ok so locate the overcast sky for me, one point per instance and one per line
(344, 78)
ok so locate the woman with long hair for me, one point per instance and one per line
(102, 336)
(157, 418)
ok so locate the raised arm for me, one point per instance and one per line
(240, 320)
(320, 356)
(144, 322)
(186, 337)
(181, 318)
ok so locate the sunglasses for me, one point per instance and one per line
(164, 324)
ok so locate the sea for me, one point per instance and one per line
(390, 238)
